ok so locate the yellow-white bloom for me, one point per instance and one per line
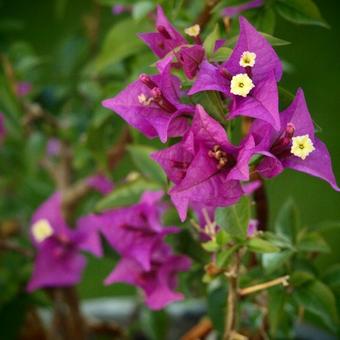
(247, 59)
(241, 85)
(193, 31)
(302, 146)
(41, 230)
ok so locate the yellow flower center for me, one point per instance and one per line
(193, 31)
(241, 85)
(247, 59)
(41, 230)
(302, 146)
(142, 99)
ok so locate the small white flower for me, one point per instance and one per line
(247, 59)
(241, 85)
(193, 31)
(302, 146)
(41, 230)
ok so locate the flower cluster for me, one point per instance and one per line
(147, 262)
(204, 166)
(135, 232)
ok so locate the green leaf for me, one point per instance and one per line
(222, 238)
(318, 299)
(286, 97)
(235, 218)
(212, 102)
(274, 261)
(278, 240)
(312, 242)
(210, 246)
(216, 305)
(332, 276)
(209, 42)
(126, 194)
(120, 42)
(274, 41)
(276, 301)
(259, 245)
(265, 19)
(301, 277)
(224, 256)
(222, 54)
(141, 9)
(287, 221)
(301, 12)
(140, 155)
(154, 323)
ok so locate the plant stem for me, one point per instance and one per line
(231, 316)
(206, 13)
(281, 280)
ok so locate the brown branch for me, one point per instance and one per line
(206, 13)
(279, 281)
(231, 315)
(106, 328)
(13, 246)
(117, 152)
(34, 112)
(78, 325)
(199, 331)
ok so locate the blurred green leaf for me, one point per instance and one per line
(125, 194)
(259, 245)
(287, 221)
(301, 277)
(224, 256)
(300, 12)
(150, 169)
(222, 238)
(222, 54)
(280, 241)
(141, 9)
(286, 97)
(210, 40)
(265, 20)
(120, 42)
(274, 41)
(210, 246)
(235, 218)
(312, 242)
(216, 305)
(276, 301)
(318, 299)
(272, 262)
(60, 7)
(154, 323)
(332, 276)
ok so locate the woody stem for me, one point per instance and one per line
(231, 315)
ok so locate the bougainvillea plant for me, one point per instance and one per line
(205, 124)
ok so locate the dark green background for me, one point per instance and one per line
(315, 58)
